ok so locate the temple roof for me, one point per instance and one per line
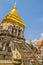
(14, 17)
(39, 43)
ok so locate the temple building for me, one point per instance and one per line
(39, 47)
(13, 47)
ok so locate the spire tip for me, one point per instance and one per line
(15, 5)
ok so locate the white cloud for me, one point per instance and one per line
(27, 41)
(34, 41)
(41, 36)
(42, 19)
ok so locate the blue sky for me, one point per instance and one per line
(32, 13)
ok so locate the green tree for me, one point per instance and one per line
(31, 45)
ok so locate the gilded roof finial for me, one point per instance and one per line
(15, 5)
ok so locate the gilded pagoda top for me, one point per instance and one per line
(13, 17)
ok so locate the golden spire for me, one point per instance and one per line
(14, 6)
(14, 10)
(14, 17)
